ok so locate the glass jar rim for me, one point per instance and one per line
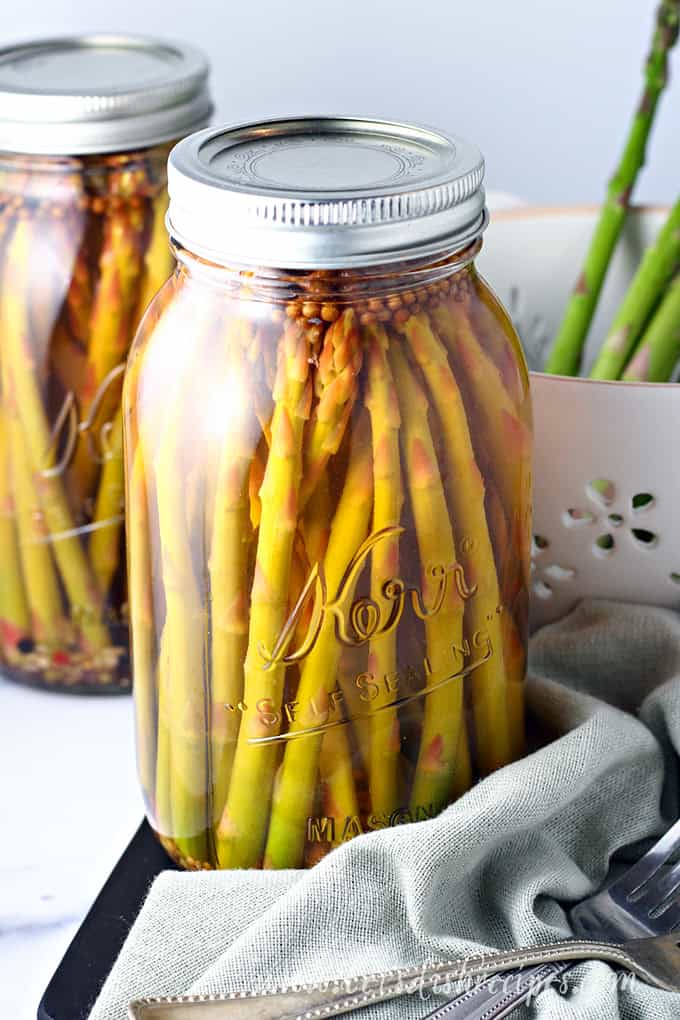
(341, 285)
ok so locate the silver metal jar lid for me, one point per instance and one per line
(329, 192)
(99, 93)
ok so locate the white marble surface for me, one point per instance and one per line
(69, 805)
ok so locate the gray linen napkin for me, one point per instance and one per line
(493, 870)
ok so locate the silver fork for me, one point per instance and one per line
(643, 901)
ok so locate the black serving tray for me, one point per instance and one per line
(79, 977)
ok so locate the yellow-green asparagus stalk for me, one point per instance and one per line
(335, 760)
(242, 829)
(68, 360)
(316, 522)
(258, 353)
(19, 365)
(148, 651)
(501, 430)
(49, 273)
(336, 771)
(514, 656)
(494, 327)
(357, 710)
(104, 545)
(158, 259)
(34, 598)
(79, 297)
(565, 357)
(296, 783)
(336, 390)
(107, 519)
(49, 627)
(183, 679)
(112, 324)
(228, 564)
(255, 479)
(161, 580)
(15, 621)
(443, 721)
(383, 406)
(143, 638)
(336, 776)
(162, 788)
(465, 491)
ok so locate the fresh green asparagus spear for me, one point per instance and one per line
(565, 357)
(658, 265)
(659, 350)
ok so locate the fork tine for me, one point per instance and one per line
(662, 888)
(669, 918)
(633, 880)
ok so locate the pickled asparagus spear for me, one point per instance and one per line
(443, 722)
(464, 488)
(49, 273)
(49, 627)
(348, 670)
(316, 522)
(228, 564)
(68, 360)
(158, 259)
(79, 297)
(336, 390)
(142, 630)
(509, 569)
(336, 772)
(104, 545)
(183, 667)
(514, 656)
(157, 267)
(166, 823)
(336, 776)
(15, 621)
(493, 326)
(21, 370)
(241, 833)
(296, 783)
(149, 652)
(383, 406)
(111, 327)
(255, 479)
(501, 430)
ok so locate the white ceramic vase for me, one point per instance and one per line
(606, 477)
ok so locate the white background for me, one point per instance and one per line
(545, 87)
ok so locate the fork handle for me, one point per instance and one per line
(497, 996)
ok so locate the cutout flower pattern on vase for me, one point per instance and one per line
(543, 573)
(612, 520)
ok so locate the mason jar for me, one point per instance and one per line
(85, 127)
(328, 445)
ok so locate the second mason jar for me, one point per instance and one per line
(328, 494)
(84, 130)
